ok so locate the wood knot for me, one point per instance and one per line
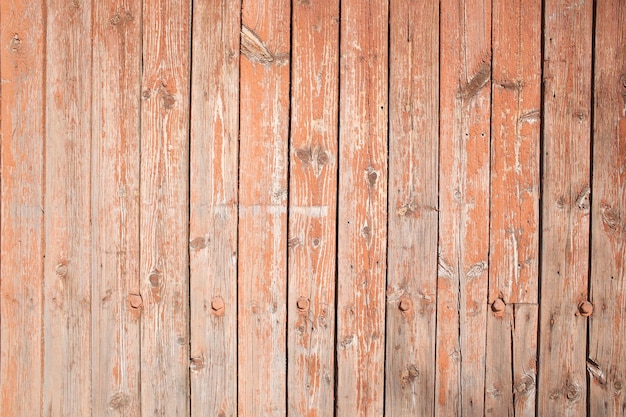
(16, 43)
(304, 155)
(498, 307)
(168, 101)
(135, 301)
(409, 374)
(405, 304)
(372, 176)
(322, 158)
(198, 243)
(585, 309)
(61, 269)
(196, 363)
(303, 305)
(119, 400)
(155, 279)
(253, 48)
(622, 82)
(217, 306)
(583, 199)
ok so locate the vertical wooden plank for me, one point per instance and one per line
(313, 207)
(607, 336)
(22, 116)
(565, 208)
(464, 206)
(264, 123)
(526, 320)
(499, 365)
(413, 207)
(67, 266)
(116, 303)
(164, 208)
(213, 207)
(362, 239)
(515, 153)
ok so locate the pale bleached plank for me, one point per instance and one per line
(313, 208)
(515, 153)
(22, 122)
(413, 207)
(526, 321)
(607, 335)
(562, 385)
(116, 303)
(362, 196)
(464, 206)
(264, 123)
(498, 366)
(67, 205)
(164, 208)
(213, 207)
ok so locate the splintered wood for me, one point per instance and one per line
(312, 208)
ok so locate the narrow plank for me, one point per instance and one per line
(164, 208)
(413, 207)
(213, 207)
(362, 229)
(313, 208)
(262, 262)
(526, 321)
(499, 364)
(116, 303)
(607, 335)
(515, 153)
(464, 206)
(565, 207)
(22, 109)
(67, 204)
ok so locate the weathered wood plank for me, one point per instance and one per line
(413, 207)
(213, 207)
(607, 336)
(362, 196)
(116, 303)
(313, 208)
(67, 205)
(164, 208)
(22, 71)
(526, 321)
(515, 153)
(464, 206)
(264, 123)
(499, 363)
(565, 207)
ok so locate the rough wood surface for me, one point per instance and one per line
(607, 336)
(362, 228)
(116, 303)
(525, 323)
(264, 124)
(465, 104)
(213, 207)
(164, 208)
(313, 208)
(565, 207)
(22, 122)
(67, 205)
(413, 207)
(499, 363)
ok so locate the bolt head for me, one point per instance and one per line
(498, 306)
(303, 304)
(585, 308)
(405, 304)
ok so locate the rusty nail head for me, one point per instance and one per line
(217, 305)
(302, 304)
(585, 308)
(135, 300)
(498, 306)
(405, 304)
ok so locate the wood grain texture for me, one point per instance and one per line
(213, 207)
(515, 153)
(525, 322)
(607, 335)
(413, 207)
(313, 208)
(116, 304)
(499, 363)
(465, 104)
(67, 205)
(264, 124)
(565, 207)
(22, 122)
(362, 229)
(164, 208)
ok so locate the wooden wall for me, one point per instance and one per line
(313, 208)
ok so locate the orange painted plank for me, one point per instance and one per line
(67, 205)
(164, 208)
(313, 208)
(464, 206)
(362, 229)
(22, 122)
(607, 335)
(213, 207)
(515, 153)
(562, 386)
(262, 262)
(413, 207)
(115, 280)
